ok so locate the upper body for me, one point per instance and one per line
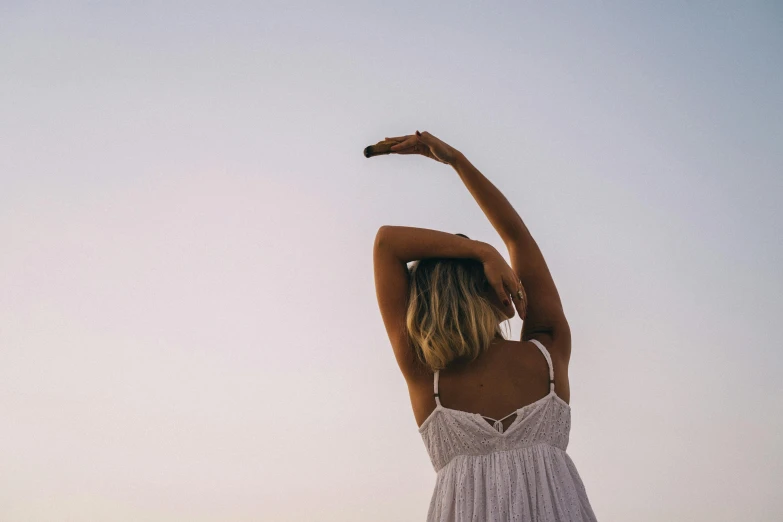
(443, 316)
(507, 376)
(483, 385)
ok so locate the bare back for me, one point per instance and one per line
(507, 376)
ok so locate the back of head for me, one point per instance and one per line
(449, 318)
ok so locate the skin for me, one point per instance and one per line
(510, 374)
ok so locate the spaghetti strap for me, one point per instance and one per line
(548, 358)
(490, 472)
(437, 395)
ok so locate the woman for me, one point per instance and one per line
(493, 412)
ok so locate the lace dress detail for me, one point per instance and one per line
(522, 473)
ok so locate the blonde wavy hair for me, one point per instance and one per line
(448, 317)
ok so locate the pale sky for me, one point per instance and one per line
(188, 321)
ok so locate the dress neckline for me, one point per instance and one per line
(481, 418)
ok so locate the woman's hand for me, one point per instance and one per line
(425, 144)
(505, 282)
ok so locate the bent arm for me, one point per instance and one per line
(413, 243)
(394, 246)
(545, 310)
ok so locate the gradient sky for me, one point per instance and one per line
(188, 321)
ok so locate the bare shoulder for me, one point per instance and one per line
(558, 344)
(556, 338)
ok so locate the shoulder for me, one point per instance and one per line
(559, 349)
(557, 341)
(419, 376)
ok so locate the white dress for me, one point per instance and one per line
(522, 473)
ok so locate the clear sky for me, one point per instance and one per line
(188, 321)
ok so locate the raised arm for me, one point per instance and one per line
(545, 314)
(395, 246)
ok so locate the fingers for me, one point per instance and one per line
(520, 303)
(524, 298)
(423, 135)
(410, 143)
(512, 294)
(501, 292)
(498, 287)
(402, 145)
(419, 134)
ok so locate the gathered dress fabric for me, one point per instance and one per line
(488, 474)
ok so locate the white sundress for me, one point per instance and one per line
(488, 474)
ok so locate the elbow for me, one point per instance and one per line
(380, 236)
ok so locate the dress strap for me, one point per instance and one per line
(548, 362)
(437, 395)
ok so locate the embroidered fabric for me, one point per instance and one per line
(521, 473)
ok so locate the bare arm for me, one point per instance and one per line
(413, 243)
(394, 247)
(496, 207)
(545, 311)
(545, 315)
